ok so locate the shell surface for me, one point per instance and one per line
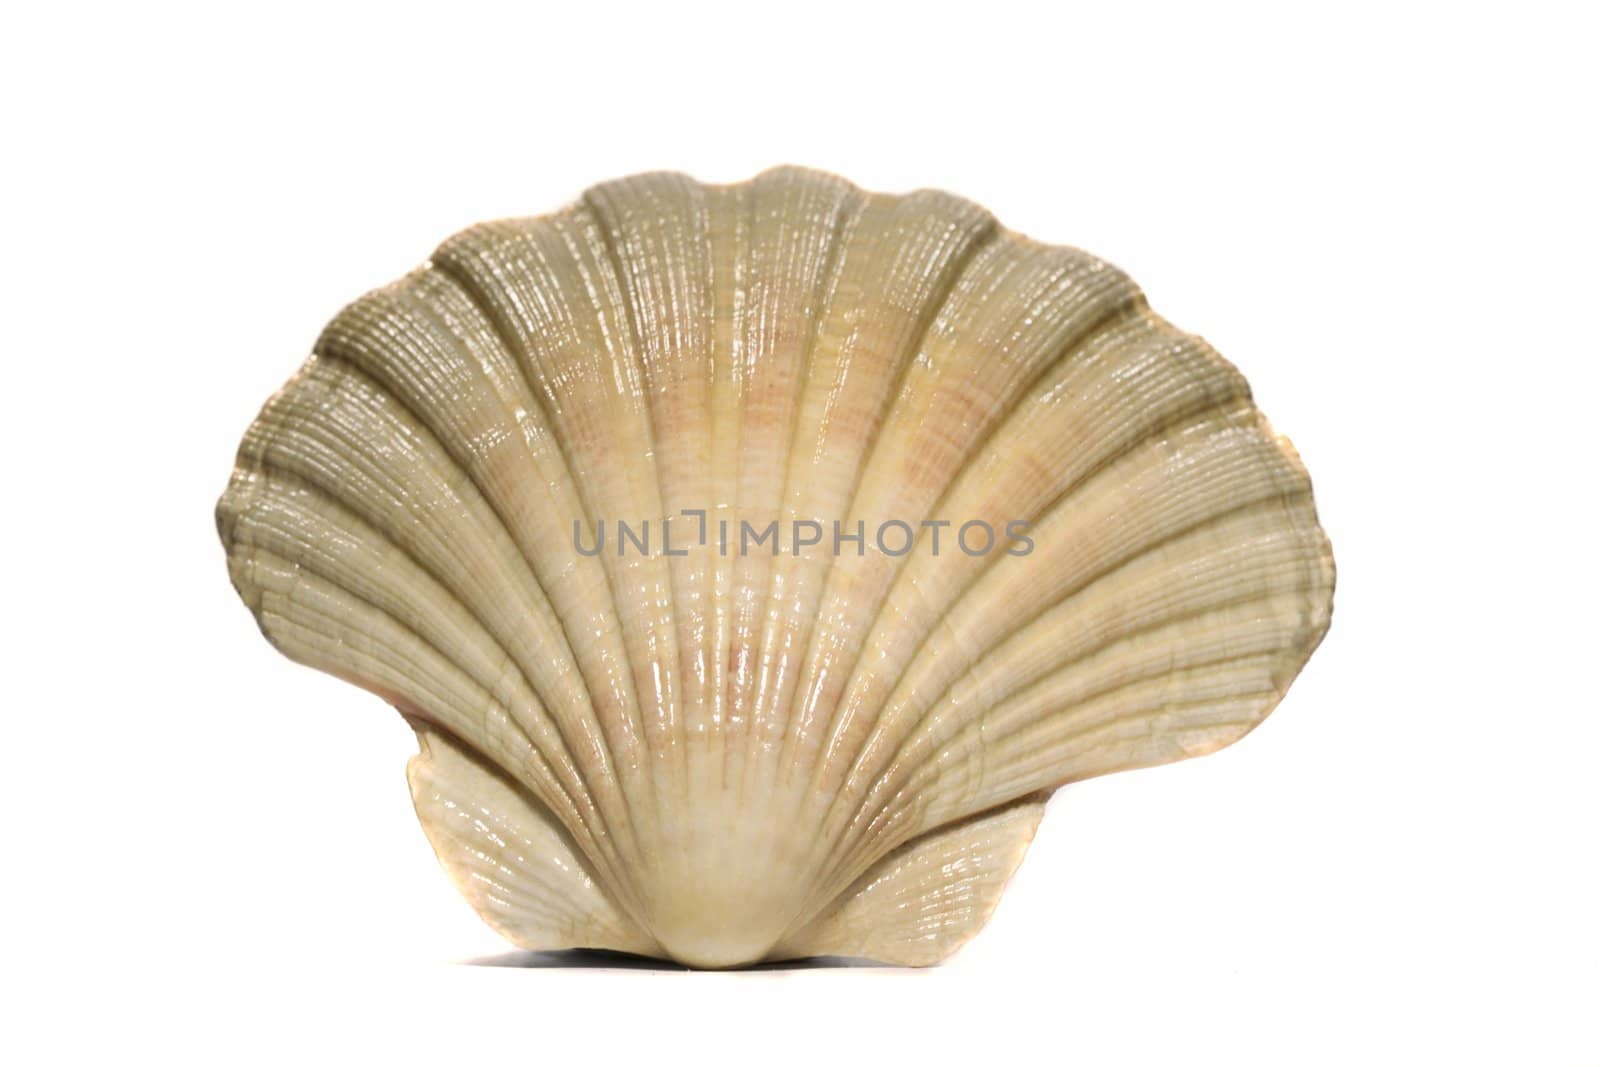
(810, 711)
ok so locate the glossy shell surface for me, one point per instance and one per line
(835, 741)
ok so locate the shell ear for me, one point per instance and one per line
(926, 899)
(510, 858)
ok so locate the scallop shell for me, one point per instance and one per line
(723, 752)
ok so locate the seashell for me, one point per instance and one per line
(836, 739)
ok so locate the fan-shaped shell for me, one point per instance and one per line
(724, 753)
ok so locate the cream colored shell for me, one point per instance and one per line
(728, 756)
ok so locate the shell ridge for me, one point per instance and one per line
(770, 252)
(1108, 637)
(728, 267)
(1163, 710)
(703, 684)
(730, 228)
(666, 659)
(931, 236)
(902, 255)
(936, 234)
(274, 471)
(576, 231)
(1119, 313)
(1251, 663)
(1199, 411)
(915, 776)
(606, 285)
(1038, 609)
(894, 767)
(522, 360)
(266, 540)
(668, 239)
(1111, 312)
(333, 353)
(827, 284)
(367, 672)
(894, 395)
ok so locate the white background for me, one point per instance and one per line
(1386, 217)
